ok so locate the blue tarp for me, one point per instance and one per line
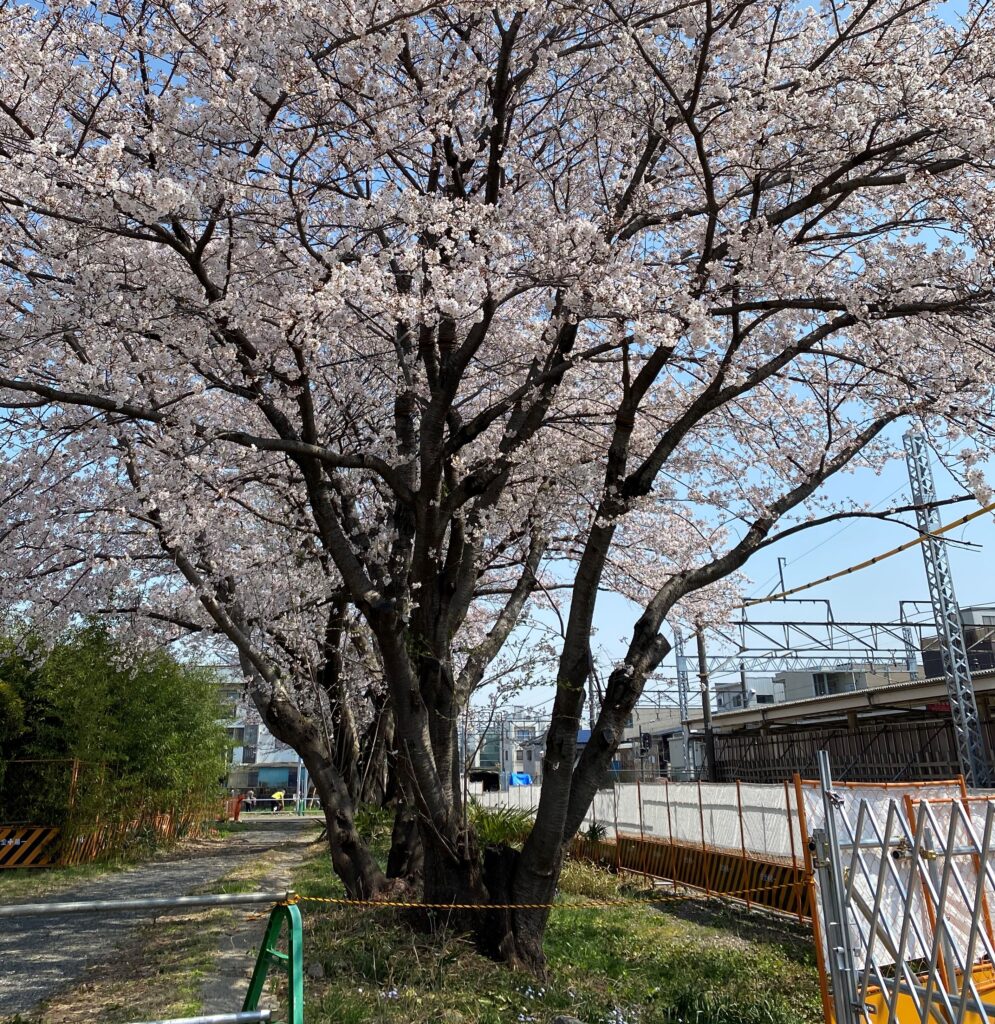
(519, 779)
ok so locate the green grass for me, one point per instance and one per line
(689, 963)
(158, 975)
(20, 884)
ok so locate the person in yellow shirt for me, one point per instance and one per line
(278, 800)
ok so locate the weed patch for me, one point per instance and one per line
(623, 965)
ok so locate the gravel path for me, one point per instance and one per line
(225, 989)
(41, 955)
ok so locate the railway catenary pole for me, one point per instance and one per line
(971, 752)
(682, 700)
(706, 706)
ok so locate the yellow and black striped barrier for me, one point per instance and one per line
(28, 846)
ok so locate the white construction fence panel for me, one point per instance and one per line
(689, 813)
(656, 819)
(892, 890)
(720, 816)
(628, 814)
(770, 821)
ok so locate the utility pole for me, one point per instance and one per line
(971, 752)
(301, 803)
(592, 713)
(682, 700)
(708, 769)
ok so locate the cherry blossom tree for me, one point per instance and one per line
(413, 312)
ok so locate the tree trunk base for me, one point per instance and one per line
(407, 854)
(511, 936)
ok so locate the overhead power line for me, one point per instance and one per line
(872, 561)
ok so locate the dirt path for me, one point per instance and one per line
(41, 956)
(225, 989)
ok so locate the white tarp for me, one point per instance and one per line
(686, 812)
(770, 821)
(883, 816)
(764, 821)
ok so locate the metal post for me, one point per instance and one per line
(808, 853)
(829, 866)
(218, 1018)
(911, 653)
(742, 843)
(706, 707)
(798, 891)
(682, 701)
(292, 962)
(705, 855)
(152, 903)
(971, 752)
(823, 871)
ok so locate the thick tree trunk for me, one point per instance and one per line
(375, 781)
(351, 858)
(452, 867)
(514, 937)
(407, 855)
(529, 924)
(498, 926)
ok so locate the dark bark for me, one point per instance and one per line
(407, 855)
(530, 930)
(498, 932)
(351, 858)
(375, 769)
(524, 946)
(452, 867)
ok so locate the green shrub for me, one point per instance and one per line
(499, 826)
(374, 823)
(105, 732)
(596, 832)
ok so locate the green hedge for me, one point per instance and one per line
(89, 729)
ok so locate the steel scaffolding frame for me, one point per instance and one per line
(904, 887)
(946, 613)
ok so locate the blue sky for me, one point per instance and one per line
(872, 594)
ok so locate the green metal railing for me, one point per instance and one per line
(286, 914)
(292, 962)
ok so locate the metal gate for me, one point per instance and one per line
(905, 889)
